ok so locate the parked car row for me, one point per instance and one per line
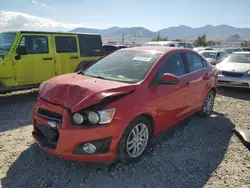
(105, 107)
(169, 44)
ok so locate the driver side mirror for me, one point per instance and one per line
(169, 79)
(21, 50)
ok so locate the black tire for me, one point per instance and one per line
(122, 153)
(205, 112)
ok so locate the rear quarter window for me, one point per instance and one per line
(65, 44)
(90, 45)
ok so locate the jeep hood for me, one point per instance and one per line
(75, 91)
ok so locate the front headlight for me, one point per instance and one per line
(95, 117)
(218, 71)
(248, 73)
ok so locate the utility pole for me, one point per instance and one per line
(122, 38)
(158, 37)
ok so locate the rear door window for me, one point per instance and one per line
(195, 62)
(66, 44)
(90, 45)
(174, 64)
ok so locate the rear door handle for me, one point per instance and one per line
(74, 57)
(47, 58)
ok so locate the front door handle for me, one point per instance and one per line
(74, 57)
(47, 58)
(187, 84)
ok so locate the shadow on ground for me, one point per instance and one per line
(16, 110)
(184, 156)
(237, 93)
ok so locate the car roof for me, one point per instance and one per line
(159, 49)
(231, 48)
(213, 51)
(242, 52)
(161, 42)
(52, 32)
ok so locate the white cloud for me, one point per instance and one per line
(20, 21)
(37, 2)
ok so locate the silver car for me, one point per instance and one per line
(234, 70)
(213, 56)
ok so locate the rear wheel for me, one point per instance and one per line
(208, 104)
(135, 140)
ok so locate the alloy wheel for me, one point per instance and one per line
(137, 140)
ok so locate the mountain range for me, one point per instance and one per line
(181, 31)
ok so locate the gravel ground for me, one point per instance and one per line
(195, 153)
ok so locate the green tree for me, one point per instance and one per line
(159, 38)
(245, 43)
(210, 43)
(200, 41)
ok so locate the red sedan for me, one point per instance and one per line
(111, 110)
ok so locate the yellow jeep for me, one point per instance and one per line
(27, 58)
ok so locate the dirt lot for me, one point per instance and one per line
(195, 153)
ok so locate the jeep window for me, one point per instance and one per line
(35, 44)
(6, 40)
(65, 44)
(90, 45)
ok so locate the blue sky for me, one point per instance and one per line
(153, 15)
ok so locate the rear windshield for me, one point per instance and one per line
(107, 48)
(90, 45)
(208, 54)
(238, 58)
(229, 51)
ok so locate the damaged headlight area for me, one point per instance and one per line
(94, 117)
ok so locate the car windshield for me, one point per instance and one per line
(6, 40)
(208, 54)
(152, 44)
(238, 58)
(123, 66)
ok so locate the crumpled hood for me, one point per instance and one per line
(235, 67)
(76, 91)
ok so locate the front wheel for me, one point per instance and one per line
(208, 104)
(135, 140)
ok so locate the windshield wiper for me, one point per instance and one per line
(100, 77)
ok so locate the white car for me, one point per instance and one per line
(234, 70)
(213, 56)
(170, 44)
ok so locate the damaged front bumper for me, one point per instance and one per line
(53, 131)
